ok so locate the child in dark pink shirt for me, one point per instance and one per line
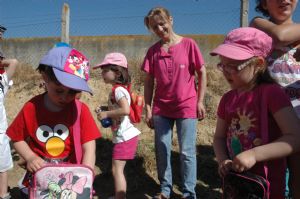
(247, 137)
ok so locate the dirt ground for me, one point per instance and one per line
(141, 172)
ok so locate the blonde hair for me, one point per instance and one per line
(157, 11)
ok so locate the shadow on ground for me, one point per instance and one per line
(139, 183)
(141, 186)
(208, 180)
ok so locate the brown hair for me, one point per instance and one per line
(48, 71)
(157, 11)
(124, 78)
(259, 7)
(263, 76)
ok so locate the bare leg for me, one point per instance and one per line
(3, 184)
(119, 178)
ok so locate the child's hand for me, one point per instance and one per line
(98, 109)
(225, 167)
(102, 115)
(34, 163)
(244, 161)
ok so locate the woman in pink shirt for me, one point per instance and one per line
(171, 65)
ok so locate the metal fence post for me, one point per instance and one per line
(244, 13)
(65, 24)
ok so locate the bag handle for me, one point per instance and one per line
(76, 133)
(264, 125)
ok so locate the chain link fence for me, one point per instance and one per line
(205, 18)
(200, 19)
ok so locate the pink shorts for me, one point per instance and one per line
(125, 150)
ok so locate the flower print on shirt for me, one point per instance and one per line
(241, 136)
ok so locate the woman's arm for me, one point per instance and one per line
(287, 144)
(202, 85)
(148, 95)
(283, 34)
(89, 153)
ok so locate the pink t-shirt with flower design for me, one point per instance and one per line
(243, 114)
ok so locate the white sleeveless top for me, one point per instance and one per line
(284, 67)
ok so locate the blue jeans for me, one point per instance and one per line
(186, 132)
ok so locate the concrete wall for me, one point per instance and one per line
(30, 50)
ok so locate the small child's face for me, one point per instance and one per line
(59, 95)
(238, 73)
(108, 75)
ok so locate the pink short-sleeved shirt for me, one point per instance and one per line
(174, 73)
(243, 114)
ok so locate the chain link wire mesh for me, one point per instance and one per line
(202, 20)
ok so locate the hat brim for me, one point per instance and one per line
(101, 64)
(232, 52)
(72, 81)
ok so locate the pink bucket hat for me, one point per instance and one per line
(244, 43)
(71, 67)
(114, 58)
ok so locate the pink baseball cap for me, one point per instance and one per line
(244, 43)
(114, 58)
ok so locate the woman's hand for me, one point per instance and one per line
(149, 119)
(201, 111)
(244, 161)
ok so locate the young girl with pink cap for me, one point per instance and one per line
(253, 129)
(114, 71)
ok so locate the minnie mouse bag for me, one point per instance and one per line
(67, 181)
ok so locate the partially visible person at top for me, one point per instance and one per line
(246, 136)
(7, 70)
(284, 62)
(2, 30)
(43, 130)
(172, 64)
(114, 71)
